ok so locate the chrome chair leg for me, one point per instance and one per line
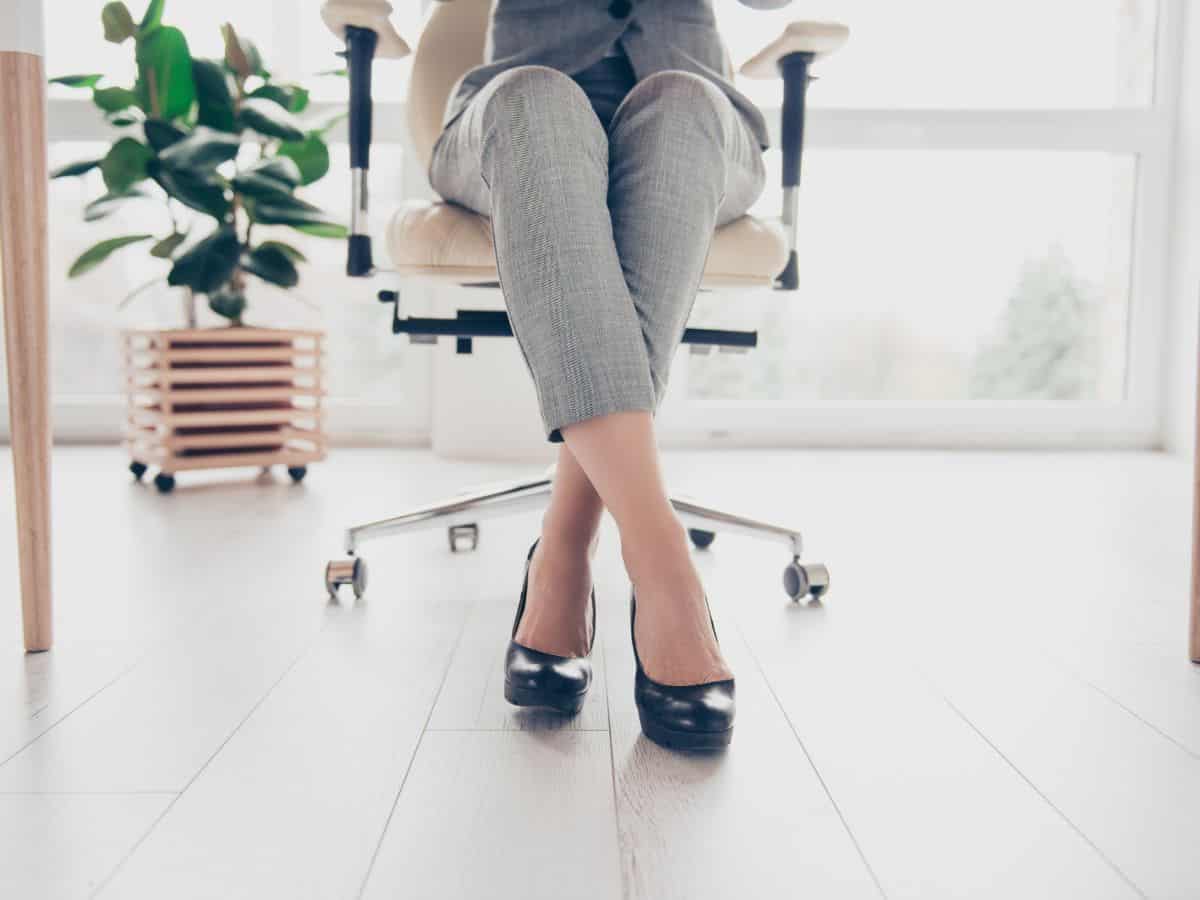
(800, 579)
(460, 515)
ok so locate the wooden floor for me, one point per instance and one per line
(994, 700)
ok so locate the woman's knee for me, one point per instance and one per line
(538, 99)
(675, 99)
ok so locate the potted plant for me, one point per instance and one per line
(224, 147)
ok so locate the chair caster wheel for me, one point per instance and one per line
(804, 579)
(138, 469)
(469, 533)
(297, 473)
(702, 539)
(346, 571)
(164, 482)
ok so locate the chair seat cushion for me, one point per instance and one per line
(448, 243)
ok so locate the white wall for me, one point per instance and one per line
(1184, 273)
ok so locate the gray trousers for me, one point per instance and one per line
(603, 195)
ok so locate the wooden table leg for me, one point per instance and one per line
(23, 259)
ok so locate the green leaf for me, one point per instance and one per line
(283, 209)
(259, 186)
(324, 230)
(204, 148)
(103, 206)
(209, 264)
(291, 97)
(165, 83)
(241, 56)
(269, 119)
(271, 264)
(75, 168)
(310, 155)
(194, 189)
(213, 98)
(229, 304)
(278, 168)
(125, 164)
(118, 23)
(96, 254)
(291, 252)
(160, 134)
(114, 99)
(339, 73)
(84, 81)
(153, 17)
(164, 248)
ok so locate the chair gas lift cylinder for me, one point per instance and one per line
(746, 253)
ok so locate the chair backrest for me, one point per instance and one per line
(451, 42)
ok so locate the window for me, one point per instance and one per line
(981, 224)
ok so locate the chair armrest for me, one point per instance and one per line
(371, 15)
(814, 38)
(789, 57)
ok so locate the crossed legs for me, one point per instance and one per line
(601, 237)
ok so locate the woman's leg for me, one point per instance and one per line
(682, 163)
(530, 152)
(674, 636)
(557, 617)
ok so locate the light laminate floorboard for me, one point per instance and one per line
(503, 814)
(313, 772)
(60, 846)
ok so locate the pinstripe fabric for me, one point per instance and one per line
(604, 196)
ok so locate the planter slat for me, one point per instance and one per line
(139, 377)
(238, 394)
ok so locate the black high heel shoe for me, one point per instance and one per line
(534, 678)
(683, 717)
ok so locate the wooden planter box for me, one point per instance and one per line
(223, 397)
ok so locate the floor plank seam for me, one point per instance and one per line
(82, 703)
(1033, 787)
(612, 768)
(1070, 670)
(362, 888)
(104, 882)
(812, 764)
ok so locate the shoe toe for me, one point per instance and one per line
(544, 672)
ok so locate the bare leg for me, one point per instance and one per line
(674, 636)
(558, 617)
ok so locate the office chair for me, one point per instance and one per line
(445, 243)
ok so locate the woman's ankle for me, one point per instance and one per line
(658, 559)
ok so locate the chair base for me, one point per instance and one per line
(461, 516)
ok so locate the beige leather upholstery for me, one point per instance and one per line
(372, 14)
(444, 242)
(818, 38)
(447, 243)
(451, 42)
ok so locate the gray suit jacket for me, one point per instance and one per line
(570, 35)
